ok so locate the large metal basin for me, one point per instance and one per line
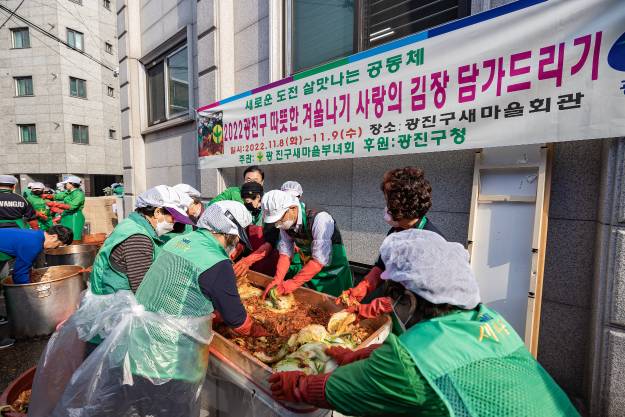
(82, 254)
(257, 372)
(36, 308)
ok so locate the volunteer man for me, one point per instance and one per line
(129, 251)
(265, 255)
(326, 268)
(251, 174)
(44, 218)
(457, 357)
(25, 246)
(71, 205)
(15, 211)
(408, 196)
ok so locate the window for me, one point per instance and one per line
(108, 47)
(80, 134)
(23, 86)
(75, 39)
(385, 20)
(321, 31)
(110, 91)
(168, 86)
(106, 4)
(77, 87)
(76, 1)
(111, 134)
(28, 133)
(21, 38)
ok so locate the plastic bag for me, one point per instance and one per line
(147, 364)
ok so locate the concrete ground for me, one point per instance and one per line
(18, 358)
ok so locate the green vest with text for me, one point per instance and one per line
(479, 367)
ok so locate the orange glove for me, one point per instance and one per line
(56, 220)
(284, 262)
(370, 282)
(251, 328)
(297, 387)
(62, 206)
(51, 203)
(307, 273)
(237, 251)
(374, 309)
(343, 356)
(47, 196)
(34, 224)
(56, 209)
(41, 215)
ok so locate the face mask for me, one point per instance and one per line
(163, 227)
(254, 211)
(389, 219)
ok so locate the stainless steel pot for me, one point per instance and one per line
(35, 309)
(82, 255)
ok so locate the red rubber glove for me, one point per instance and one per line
(41, 215)
(307, 273)
(355, 295)
(284, 262)
(295, 386)
(56, 220)
(47, 196)
(374, 309)
(343, 356)
(51, 203)
(62, 206)
(56, 209)
(34, 224)
(251, 328)
(237, 251)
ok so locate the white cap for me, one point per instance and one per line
(73, 179)
(8, 179)
(275, 203)
(228, 217)
(292, 187)
(166, 197)
(60, 184)
(426, 264)
(187, 189)
(30, 185)
(36, 186)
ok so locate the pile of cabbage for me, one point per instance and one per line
(309, 344)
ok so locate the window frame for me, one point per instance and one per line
(110, 91)
(79, 2)
(82, 35)
(80, 139)
(21, 126)
(163, 58)
(32, 86)
(77, 89)
(106, 4)
(108, 48)
(360, 40)
(14, 31)
(112, 134)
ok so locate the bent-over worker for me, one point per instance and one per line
(25, 246)
(15, 211)
(408, 196)
(318, 238)
(457, 357)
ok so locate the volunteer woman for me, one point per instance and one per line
(251, 174)
(265, 255)
(326, 268)
(189, 199)
(408, 196)
(456, 358)
(129, 251)
(44, 218)
(72, 203)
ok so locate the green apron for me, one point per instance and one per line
(335, 277)
(39, 204)
(73, 217)
(171, 287)
(479, 366)
(104, 279)
(170, 235)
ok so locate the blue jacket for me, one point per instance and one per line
(24, 245)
